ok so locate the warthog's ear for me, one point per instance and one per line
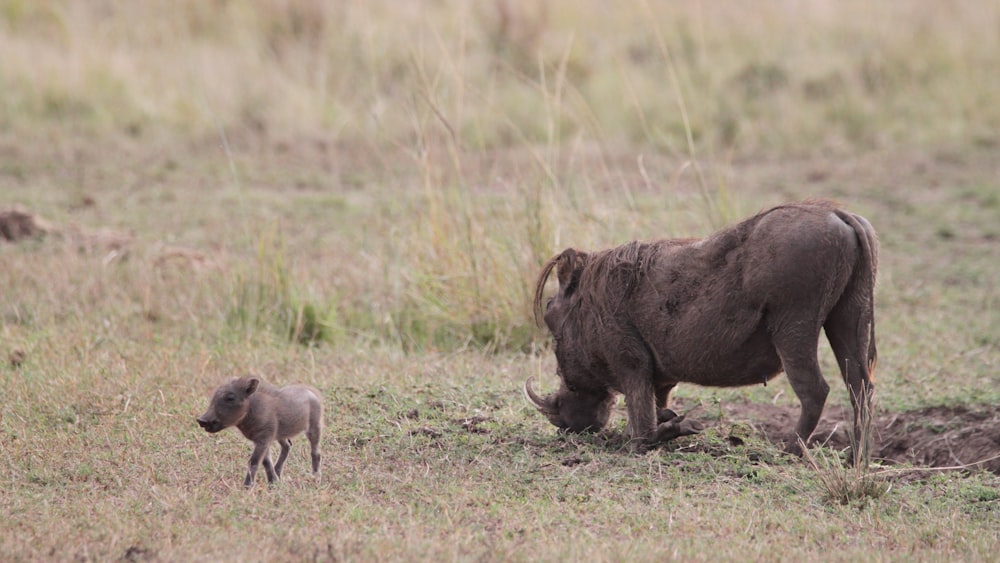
(252, 386)
(569, 265)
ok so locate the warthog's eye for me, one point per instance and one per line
(548, 303)
(230, 398)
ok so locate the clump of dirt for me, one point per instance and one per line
(957, 436)
(17, 224)
(16, 357)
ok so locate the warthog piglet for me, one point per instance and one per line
(265, 414)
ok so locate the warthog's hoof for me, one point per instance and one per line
(793, 446)
(675, 428)
(665, 415)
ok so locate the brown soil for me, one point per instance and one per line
(16, 224)
(957, 437)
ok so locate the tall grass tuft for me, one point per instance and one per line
(731, 82)
(263, 296)
(854, 482)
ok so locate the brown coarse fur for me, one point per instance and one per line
(735, 308)
(265, 414)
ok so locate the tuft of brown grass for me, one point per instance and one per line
(855, 482)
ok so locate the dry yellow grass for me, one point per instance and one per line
(786, 75)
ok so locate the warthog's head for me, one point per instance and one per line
(230, 404)
(571, 410)
(581, 404)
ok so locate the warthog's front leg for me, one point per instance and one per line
(663, 412)
(665, 424)
(640, 399)
(665, 415)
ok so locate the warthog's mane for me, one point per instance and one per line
(610, 276)
(605, 274)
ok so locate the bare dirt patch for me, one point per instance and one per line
(955, 436)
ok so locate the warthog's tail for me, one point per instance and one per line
(866, 275)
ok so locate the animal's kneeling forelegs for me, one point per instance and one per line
(674, 428)
(665, 415)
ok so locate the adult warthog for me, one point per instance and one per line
(735, 308)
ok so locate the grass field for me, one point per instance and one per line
(359, 196)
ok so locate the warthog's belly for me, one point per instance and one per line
(753, 362)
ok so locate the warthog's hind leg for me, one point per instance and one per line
(799, 359)
(286, 445)
(851, 333)
(314, 444)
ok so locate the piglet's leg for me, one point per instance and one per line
(315, 427)
(272, 476)
(314, 443)
(286, 445)
(260, 452)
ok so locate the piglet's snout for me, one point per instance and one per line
(210, 425)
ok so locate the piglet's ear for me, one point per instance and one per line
(252, 386)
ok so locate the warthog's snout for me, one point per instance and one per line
(210, 426)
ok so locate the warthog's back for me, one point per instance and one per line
(707, 310)
(295, 406)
